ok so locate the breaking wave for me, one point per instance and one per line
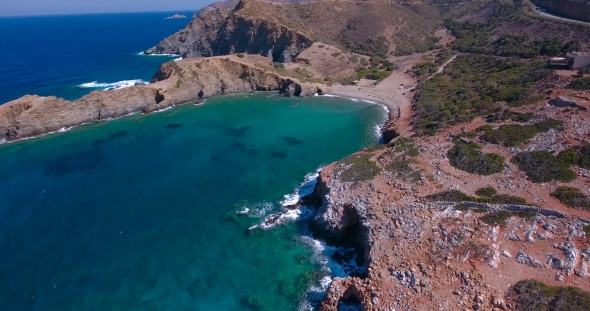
(111, 86)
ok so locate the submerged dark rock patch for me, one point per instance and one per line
(292, 140)
(239, 146)
(252, 152)
(215, 158)
(279, 155)
(74, 162)
(120, 134)
(236, 131)
(172, 126)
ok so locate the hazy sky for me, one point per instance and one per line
(51, 7)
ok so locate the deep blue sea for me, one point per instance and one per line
(161, 211)
(54, 55)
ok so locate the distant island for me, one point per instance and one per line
(176, 16)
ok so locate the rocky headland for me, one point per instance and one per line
(175, 83)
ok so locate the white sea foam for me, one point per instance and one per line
(169, 55)
(65, 129)
(111, 86)
(177, 59)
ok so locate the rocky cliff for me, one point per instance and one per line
(216, 31)
(175, 83)
(574, 9)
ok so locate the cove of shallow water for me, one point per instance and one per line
(139, 213)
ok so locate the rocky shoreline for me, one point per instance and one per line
(175, 83)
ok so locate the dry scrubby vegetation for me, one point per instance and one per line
(472, 86)
(572, 197)
(490, 37)
(511, 135)
(458, 196)
(578, 156)
(543, 166)
(580, 84)
(531, 295)
(427, 68)
(468, 157)
(359, 167)
(395, 158)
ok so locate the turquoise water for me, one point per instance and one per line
(139, 213)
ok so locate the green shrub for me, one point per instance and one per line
(458, 196)
(496, 218)
(240, 55)
(360, 168)
(572, 197)
(486, 192)
(514, 135)
(468, 157)
(580, 84)
(178, 83)
(583, 71)
(542, 166)
(579, 156)
(532, 295)
(279, 65)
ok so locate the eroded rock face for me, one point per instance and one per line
(175, 83)
(217, 31)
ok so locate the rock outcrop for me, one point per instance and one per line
(216, 31)
(573, 9)
(175, 83)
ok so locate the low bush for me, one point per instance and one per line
(532, 295)
(360, 168)
(579, 156)
(496, 218)
(572, 197)
(240, 55)
(543, 166)
(580, 84)
(514, 134)
(468, 157)
(458, 196)
(279, 65)
(486, 192)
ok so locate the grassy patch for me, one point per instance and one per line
(359, 168)
(471, 86)
(468, 157)
(486, 192)
(240, 55)
(542, 166)
(572, 197)
(532, 295)
(514, 134)
(178, 83)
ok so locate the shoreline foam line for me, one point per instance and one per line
(111, 85)
(169, 55)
